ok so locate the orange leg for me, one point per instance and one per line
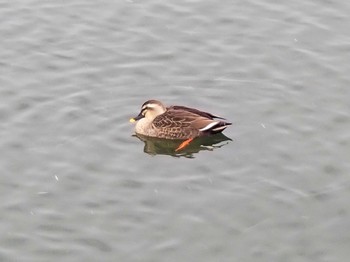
(183, 144)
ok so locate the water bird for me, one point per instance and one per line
(176, 122)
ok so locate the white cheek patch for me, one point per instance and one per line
(209, 126)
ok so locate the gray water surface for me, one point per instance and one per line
(76, 185)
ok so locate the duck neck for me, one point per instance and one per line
(143, 126)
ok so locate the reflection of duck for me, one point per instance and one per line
(176, 122)
(161, 146)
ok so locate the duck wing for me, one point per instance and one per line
(195, 111)
(180, 123)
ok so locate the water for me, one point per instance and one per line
(77, 186)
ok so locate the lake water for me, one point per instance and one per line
(76, 185)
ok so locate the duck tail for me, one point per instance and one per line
(215, 127)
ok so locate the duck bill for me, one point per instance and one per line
(134, 119)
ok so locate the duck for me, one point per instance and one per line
(176, 122)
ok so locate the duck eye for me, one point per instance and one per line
(143, 111)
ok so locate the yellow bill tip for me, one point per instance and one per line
(132, 120)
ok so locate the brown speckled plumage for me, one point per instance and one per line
(176, 122)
